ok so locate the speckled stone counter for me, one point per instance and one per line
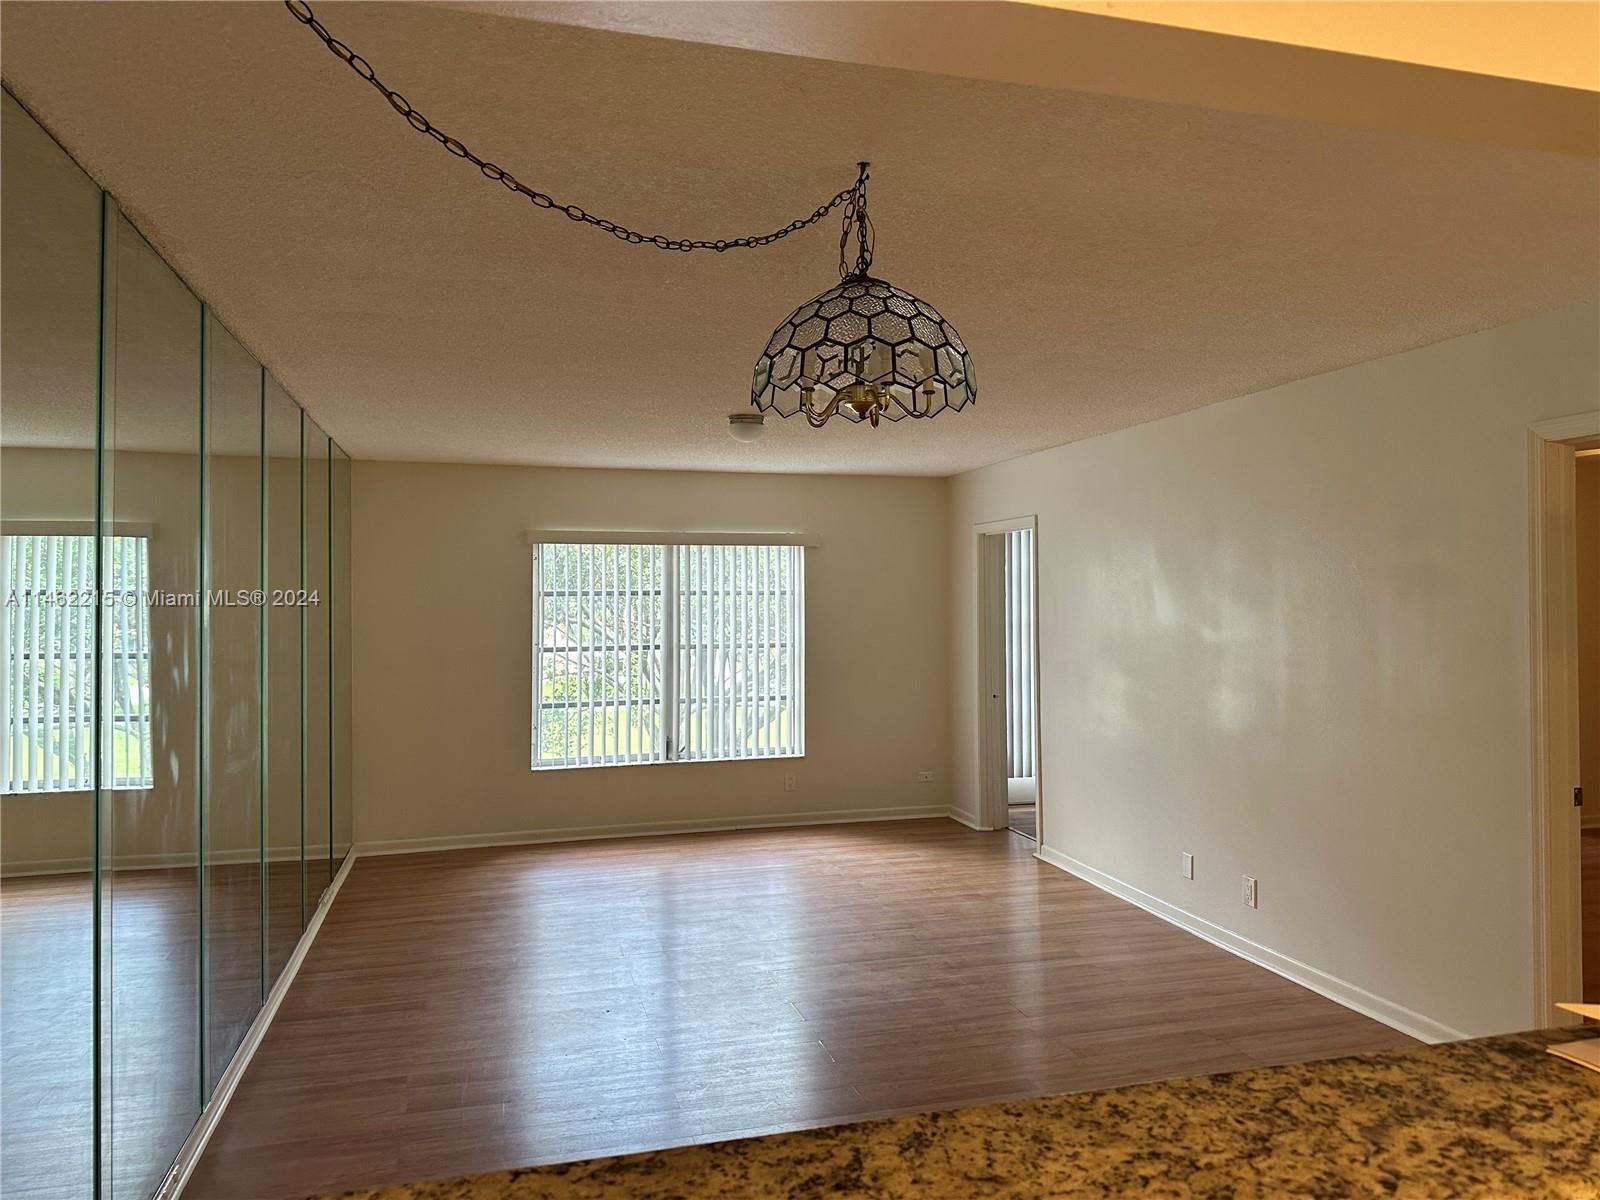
(1497, 1117)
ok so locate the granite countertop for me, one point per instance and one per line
(1496, 1117)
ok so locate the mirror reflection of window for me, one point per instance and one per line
(47, 653)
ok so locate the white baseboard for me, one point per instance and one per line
(531, 837)
(1396, 1016)
(966, 818)
(195, 1144)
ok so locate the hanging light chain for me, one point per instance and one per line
(856, 221)
(853, 198)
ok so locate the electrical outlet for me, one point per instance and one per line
(924, 776)
(789, 784)
(1250, 890)
(1188, 865)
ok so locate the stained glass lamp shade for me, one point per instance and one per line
(864, 350)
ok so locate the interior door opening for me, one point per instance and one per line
(1565, 577)
(1587, 496)
(1022, 781)
(1009, 670)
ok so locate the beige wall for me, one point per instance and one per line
(442, 626)
(1589, 635)
(1289, 634)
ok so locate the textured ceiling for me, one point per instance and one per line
(1108, 260)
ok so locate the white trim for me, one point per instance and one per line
(1341, 991)
(1556, 966)
(1006, 524)
(195, 1144)
(965, 818)
(583, 765)
(667, 537)
(533, 837)
(1566, 429)
(991, 797)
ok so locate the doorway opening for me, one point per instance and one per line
(1008, 610)
(1587, 497)
(1565, 578)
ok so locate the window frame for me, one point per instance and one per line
(671, 647)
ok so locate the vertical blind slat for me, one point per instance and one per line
(67, 671)
(736, 659)
(586, 651)
(1019, 635)
(65, 773)
(671, 659)
(32, 679)
(725, 633)
(141, 659)
(118, 707)
(752, 698)
(627, 721)
(43, 663)
(86, 641)
(603, 591)
(13, 645)
(1030, 624)
(763, 633)
(1016, 647)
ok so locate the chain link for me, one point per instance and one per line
(853, 198)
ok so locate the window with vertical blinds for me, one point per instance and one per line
(47, 646)
(661, 653)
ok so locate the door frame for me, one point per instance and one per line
(990, 551)
(1553, 702)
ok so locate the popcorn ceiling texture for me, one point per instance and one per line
(1108, 260)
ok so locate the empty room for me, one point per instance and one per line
(902, 600)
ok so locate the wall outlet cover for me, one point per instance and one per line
(789, 784)
(1250, 891)
(1188, 865)
(924, 776)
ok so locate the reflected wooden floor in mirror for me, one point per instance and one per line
(479, 1009)
(46, 1036)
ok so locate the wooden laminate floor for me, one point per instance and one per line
(471, 1010)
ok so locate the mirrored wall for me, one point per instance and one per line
(175, 699)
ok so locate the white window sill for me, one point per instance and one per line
(670, 762)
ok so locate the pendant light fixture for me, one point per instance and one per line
(863, 350)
